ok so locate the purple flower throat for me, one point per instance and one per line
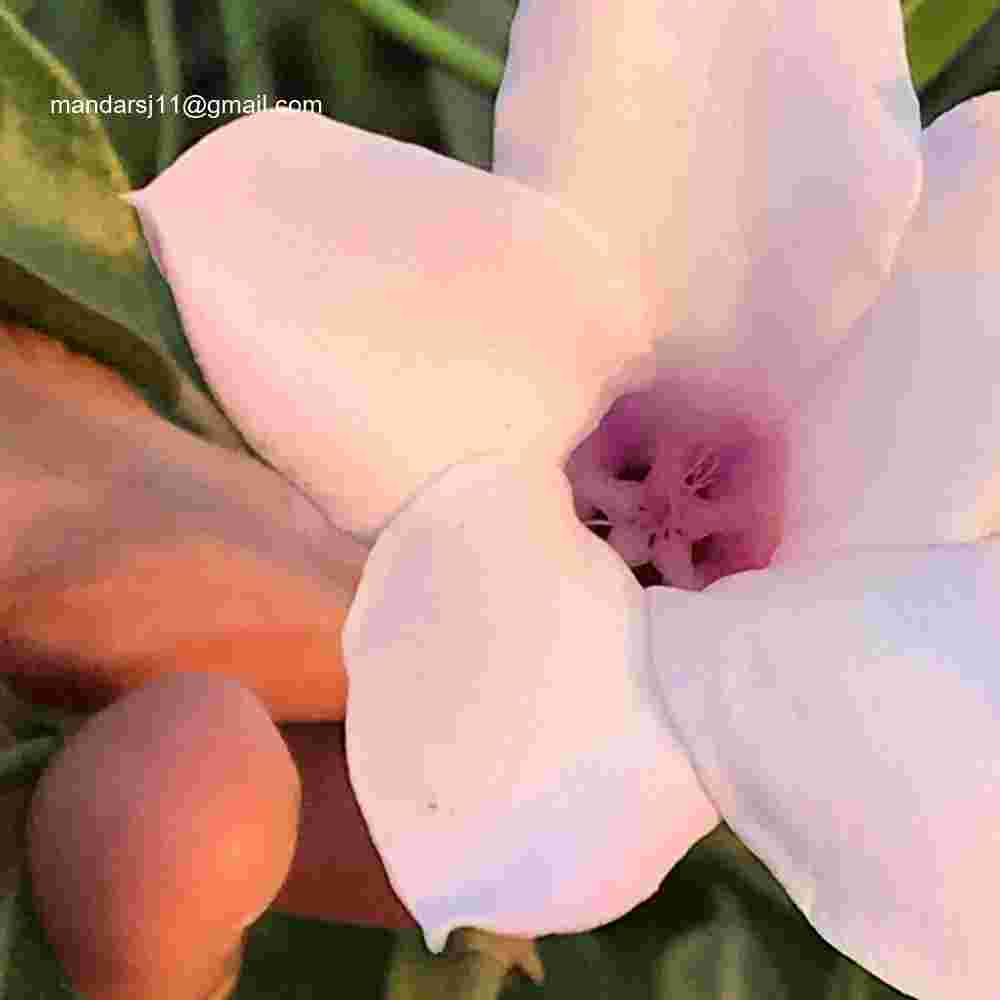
(685, 492)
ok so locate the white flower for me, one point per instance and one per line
(705, 199)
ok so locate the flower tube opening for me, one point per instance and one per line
(686, 484)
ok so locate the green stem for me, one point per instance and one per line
(22, 760)
(249, 70)
(475, 965)
(447, 977)
(169, 77)
(449, 49)
(478, 977)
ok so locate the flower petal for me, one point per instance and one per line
(844, 716)
(759, 160)
(504, 737)
(369, 312)
(900, 444)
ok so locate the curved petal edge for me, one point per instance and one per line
(844, 716)
(370, 312)
(504, 736)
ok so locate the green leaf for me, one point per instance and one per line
(8, 928)
(466, 112)
(246, 55)
(938, 30)
(20, 8)
(976, 70)
(364, 77)
(107, 50)
(22, 763)
(720, 928)
(73, 262)
(33, 971)
(294, 957)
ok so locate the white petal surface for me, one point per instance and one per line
(844, 716)
(900, 444)
(505, 738)
(369, 312)
(757, 158)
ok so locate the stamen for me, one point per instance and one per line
(704, 474)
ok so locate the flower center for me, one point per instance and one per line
(686, 492)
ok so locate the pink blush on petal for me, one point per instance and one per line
(687, 486)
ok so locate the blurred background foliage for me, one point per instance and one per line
(331, 52)
(720, 928)
(325, 51)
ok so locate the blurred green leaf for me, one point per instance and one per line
(161, 27)
(298, 959)
(246, 54)
(938, 30)
(105, 48)
(33, 971)
(363, 77)
(8, 928)
(720, 928)
(22, 762)
(14, 805)
(18, 7)
(976, 70)
(343, 50)
(73, 261)
(466, 112)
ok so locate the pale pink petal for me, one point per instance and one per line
(505, 736)
(900, 443)
(757, 160)
(369, 312)
(844, 716)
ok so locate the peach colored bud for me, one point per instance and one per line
(133, 549)
(169, 818)
(68, 375)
